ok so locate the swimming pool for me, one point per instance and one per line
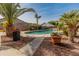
(40, 32)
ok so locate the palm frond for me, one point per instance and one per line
(11, 11)
(19, 12)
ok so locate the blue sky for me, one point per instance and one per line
(48, 11)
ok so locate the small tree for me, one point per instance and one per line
(70, 19)
(58, 25)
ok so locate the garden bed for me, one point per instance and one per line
(48, 49)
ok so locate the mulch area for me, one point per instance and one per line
(8, 41)
(49, 49)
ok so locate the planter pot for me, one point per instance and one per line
(16, 35)
(56, 39)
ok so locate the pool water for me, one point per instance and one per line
(41, 32)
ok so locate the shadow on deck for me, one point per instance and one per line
(8, 41)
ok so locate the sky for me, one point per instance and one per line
(47, 11)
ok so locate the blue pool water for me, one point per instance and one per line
(40, 32)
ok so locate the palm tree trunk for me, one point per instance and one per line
(76, 31)
(71, 38)
(37, 23)
(9, 30)
(71, 35)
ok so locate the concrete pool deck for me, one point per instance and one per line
(10, 51)
(27, 50)
(30, 48)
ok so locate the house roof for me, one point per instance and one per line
(48, 25)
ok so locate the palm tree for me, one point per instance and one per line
(57, 24)
(10, 12)
(70, 19)
(37, 19)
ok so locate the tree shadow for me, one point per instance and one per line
(49, 49)
(65, 45)
(16, 44)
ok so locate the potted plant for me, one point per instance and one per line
(55, 38)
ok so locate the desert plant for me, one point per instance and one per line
(56, 38)
(70, 19)
(59, 25)
(55, 34)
